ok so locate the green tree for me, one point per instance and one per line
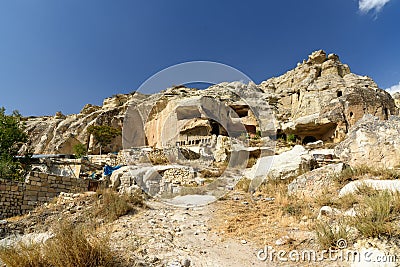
(80, 150)
(103, 134)
(12, 137)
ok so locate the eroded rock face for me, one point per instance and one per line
(190, 117)
(372, 142)
(321, 98)
(318, 100)
(59, 134)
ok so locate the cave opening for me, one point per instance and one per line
(217, 128)
(251, 129)
(309, 139)
(280, 135)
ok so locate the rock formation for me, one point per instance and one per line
(322, 99)
(353, 186)
(188, 117)
(59, 134)
(318, 100)
(287, 165)
(372, 142)
(314, 183)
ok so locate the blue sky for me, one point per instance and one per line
(60, 55)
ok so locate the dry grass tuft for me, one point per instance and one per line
(351, 174)
(111, 205)
(243, 185)
(328, 235)
(77, 246)
(376, 214)
(71, 246)
(76, 241)
(23, 254)
(270, 214)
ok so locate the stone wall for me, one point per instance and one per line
(17, 198)
(109, 159)
(11, 198)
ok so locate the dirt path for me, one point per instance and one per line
(172, 236)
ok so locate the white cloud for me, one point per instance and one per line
(368, 5)
(394, 89)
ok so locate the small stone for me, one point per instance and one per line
(284, 240)
(174, 264)
(153, 259)
(186, 263)
(269, 199)
(243, 241)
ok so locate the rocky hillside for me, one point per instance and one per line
(59, 133)
(323, 99)
(318, 100)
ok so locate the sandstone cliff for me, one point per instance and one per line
(322, 99)
(59, 134)
(319, 99)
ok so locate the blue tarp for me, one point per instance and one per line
(108, 170)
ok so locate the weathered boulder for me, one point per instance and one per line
(118, 175)
(154, 180)
(287, 165)
(314, 182)
(352, 187)
(372, 142)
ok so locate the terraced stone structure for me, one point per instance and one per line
(17, 197)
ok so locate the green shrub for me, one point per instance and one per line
(80, 150)
(103, 134)
(12, 138)
(291, 138)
